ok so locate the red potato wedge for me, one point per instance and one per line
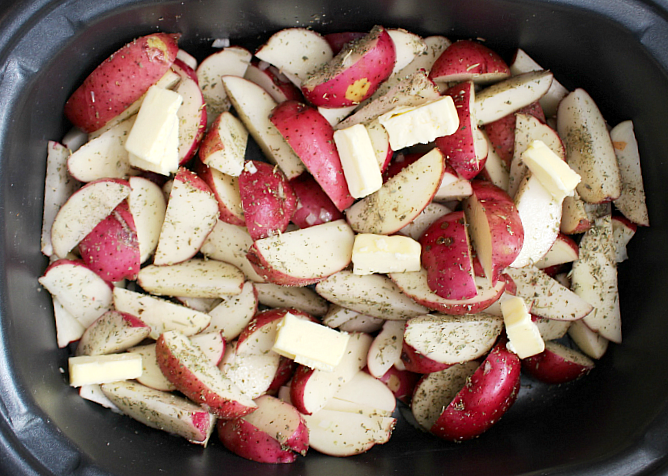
(564, 250)
(557, 364)
(230, 243)
(232, 61)
(546, 296)
(372, 294)
(282, 421)
(429, 215)
(248, 441)
(161, 315)
(312, 138)
(279, 87)
(184, 364)
(401, 382)
(380, 141)
(102, 157)
(400, 199)
(487, 395)
(185, 58)
(151, 375)
(82, 212)
(589, 150)
(286, 369)
(112, 333)
(591, 343)
(148, 206)
(234, 313)
(354, 73)
(161, 410)
(68, 328)
(305, 256)
(337, 316)
(367, 391)
(339, 39)
(407, 47)
(192, 113)
(335, 115)
(224, 146)
(551, 329)
(200, 278)
(362, 323)
(468, 60)
(267, 199)
(120, 80)
(58, 187)
(631, 202)
(225, 189)
(251, 372)
(259, 336)
(417, 363)
(253, 105)
(462, 151)
(415, 286)
(386, 348)
(74, 139)
(311, 389)
(93, 393)
(82, 292)
(574, 217)
(446, 257)
(314, 207)
(495, 227)
(304, 299)
(622, 232)
(509, 95)
(112, 248)
(453, 187)
(198, 304)
(453, 339)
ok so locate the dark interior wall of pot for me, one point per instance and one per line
(615, 50)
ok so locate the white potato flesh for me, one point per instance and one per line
(230, 243)
(304, 299)
(147, 205)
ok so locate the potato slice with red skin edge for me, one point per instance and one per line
(400, 199)
(485, 398)
(224, 145)
(564, 250)
(466, 60)
(435, 391)
(271, 80)
(151, 375)
(407, 46)
(192, 212)
(161, 410)
(367, 391)
(281, 421)
(112, 333)
(501, 132)
(589, 149)
(418, 363)
(148, 206)
(314, 207)
(68, 329)
(590, 342)
(574, 218)
(311, 389)
(453, 339)
(557, 364)
(622, 232)
(380, 141)
(339, 39)
(303, 298)
(460, 148)
(495, 227)
(312, 138)
(212, 345)
(251, 372)
(446, 256)
(192, 113)
(83, 293)
(259, 335)
(267, 199)
(286, 369)
(354, 73)
(112, 248)
(246, 440)
(120, 80)
(226, 190)
(184, 364)
(401, 382)
(230, 243)
(303, 257)
(386, 348)
(232, 315)
(429, 215)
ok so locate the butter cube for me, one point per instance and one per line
(97, 369)
(385, 254)
(552, 172)
(523, 334)
(358, 159)
(422, 124)
(309, 343)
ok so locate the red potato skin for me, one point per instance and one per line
(189, 385)
(226, 215)
(401, 382)
(467, 59)
(120, 80)
(418, 363)
(399, 163)
(312, 138)
(211, 142)
(446, 256)
(268, 273)
(246, 440)
(286, 88)
(360, 80)
(299, 380)
(315, 207)
(186, 176)
(550, 367)
(267, 199)
(186, 71)
(112, 248)
(338, 40)
(459, 148)
(487, 395)
(501, 132)
(504, 223)
(286, 368)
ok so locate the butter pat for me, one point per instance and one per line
(358, 159)
(552, 172)
(97, 369)
(385, 254)
(309, 343)
(408, 126)
(154, 136)
(523, 334)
